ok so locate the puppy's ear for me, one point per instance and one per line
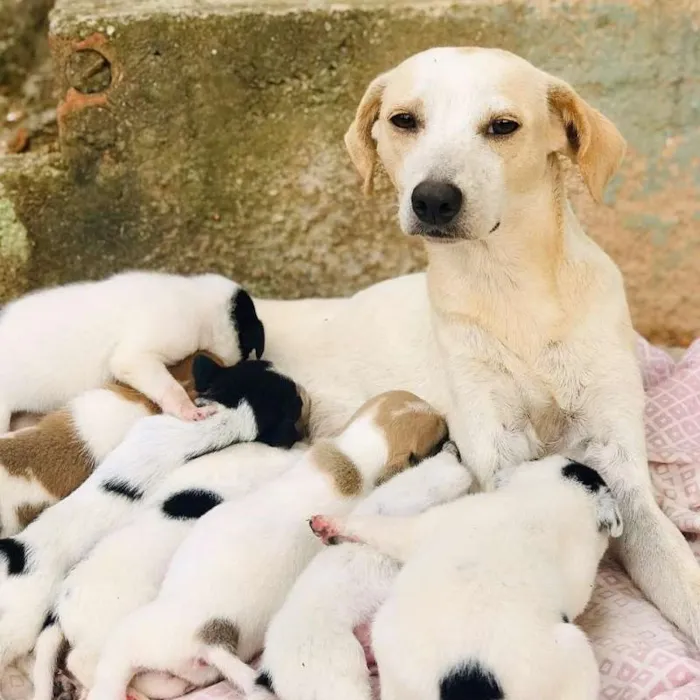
(358, 138)
(586, 136)
(204, 372)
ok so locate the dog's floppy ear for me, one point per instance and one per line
(592, 140)
(204, 372)
(358, 138)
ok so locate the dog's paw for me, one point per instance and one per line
(608, 514)
(328, 530)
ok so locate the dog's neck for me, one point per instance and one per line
(510, 283)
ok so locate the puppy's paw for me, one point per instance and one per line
(328, 530)
(178, 404)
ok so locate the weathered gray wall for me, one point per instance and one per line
(217, 143)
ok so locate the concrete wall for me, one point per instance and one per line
(204, 134)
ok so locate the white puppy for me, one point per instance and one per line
(126, 568)
(481, 608)
(310, 649)
(39, 557)
(46, 462)
(232, 573)
(57, 343)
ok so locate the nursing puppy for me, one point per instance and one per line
(58, 343)
(234, 570)
(44, 463)
(481, 608)
(125, 569)
(310, 649)
(255, 403)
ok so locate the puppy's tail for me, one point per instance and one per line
(46, 653)
(219, 638)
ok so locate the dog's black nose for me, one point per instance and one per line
(436, 202)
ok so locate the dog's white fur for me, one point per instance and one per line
(65, 532)
(125, 569)
(57, 343)
(100, 419)
(235, 568)
(486, 583)
(522, 336)
(310, 649)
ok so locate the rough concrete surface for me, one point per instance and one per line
(20, 22)
(207, 134)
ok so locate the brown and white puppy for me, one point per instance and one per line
(519, 330)
(235, 568)
(43, 464)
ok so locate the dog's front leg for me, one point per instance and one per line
(610, 438)
(489, 422)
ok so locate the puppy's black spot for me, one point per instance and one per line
(122, 488)
(49, 621)
(264, 680)
(190, 504)
(586, 476)
(333, 540)
(204, 372)
(16, 555)
(251, 332)
(565, 618)
(470, 682)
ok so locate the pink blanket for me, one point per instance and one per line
(642, 656)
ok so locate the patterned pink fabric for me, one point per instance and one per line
(641, 655)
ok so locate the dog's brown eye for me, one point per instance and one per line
(503, 127)
(404, 120)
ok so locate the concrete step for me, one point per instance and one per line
(207, 134)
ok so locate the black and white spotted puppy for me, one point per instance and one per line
(57, 343)
(310, 649)
(125, 569)
(254, 402)
(489, 583)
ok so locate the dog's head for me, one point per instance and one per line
(410, 429)
(468, 136)
(550, 474)
(235, 331)
(281, 406)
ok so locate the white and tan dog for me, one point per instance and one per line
(232, 573)
(254, 403)
(481, 608)
(519, 330)
(46, 462)
(125, 569)
(57, 343)
(310, 648)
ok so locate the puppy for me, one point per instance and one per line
(42, 464)
(255, 402)
(310, 649)
(58, 343)
(234, 570)
(126, 568)
(481, 608)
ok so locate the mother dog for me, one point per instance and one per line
(519, 330)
